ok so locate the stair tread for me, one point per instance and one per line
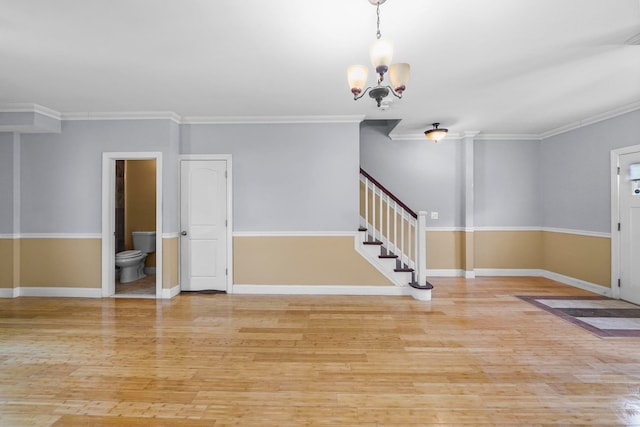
(407, 270)
(388, 256)
(377, 242)
(416, 285)
(362, 229)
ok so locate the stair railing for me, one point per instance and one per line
(390, 221)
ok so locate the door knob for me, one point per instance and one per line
(184, 233)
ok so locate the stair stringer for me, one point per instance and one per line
(384, 266)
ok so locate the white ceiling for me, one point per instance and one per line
(525, 67)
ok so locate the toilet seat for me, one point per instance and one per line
(131, 265)
(128, 254)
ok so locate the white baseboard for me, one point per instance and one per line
(477, 272)
(321, 290)
(514, 272)
(577, 283)
(571, 281)
(9, 292)
(171, 292)
(33, 291)
(443, 272)
(524, 272)
(30, 291)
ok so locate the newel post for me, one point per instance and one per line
(421, 258)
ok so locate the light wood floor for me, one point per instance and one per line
(474, 355)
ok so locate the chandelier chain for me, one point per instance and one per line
(378, 34)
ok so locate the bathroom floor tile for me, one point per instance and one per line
(144, 286)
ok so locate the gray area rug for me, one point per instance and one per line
(602, 316)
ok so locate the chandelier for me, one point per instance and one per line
(381, 52)
(436, 134)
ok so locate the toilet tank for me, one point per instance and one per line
(144, 241)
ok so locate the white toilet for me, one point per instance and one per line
(131, 262)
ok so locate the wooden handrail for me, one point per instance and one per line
(388, 193)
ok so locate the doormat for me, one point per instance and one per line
(602, 316)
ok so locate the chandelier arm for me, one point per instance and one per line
(356, 97)
(397, 95)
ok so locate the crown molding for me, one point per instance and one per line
(592, 120)
(507, 137)
(634, 41)
(124, 115)
(528, 136)
(420, 136)
(409, 136)
(30, 108)
(470, 133)
(170, 115)
(222, 120)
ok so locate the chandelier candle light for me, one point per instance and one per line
(381, 52)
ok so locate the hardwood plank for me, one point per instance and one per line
(475, 354)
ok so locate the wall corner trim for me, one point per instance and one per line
(171, 292)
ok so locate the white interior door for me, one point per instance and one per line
(629, 197)
(203, 217)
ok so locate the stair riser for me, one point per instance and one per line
(372, 250)
(421, 294)
(386, 265)
(403, 277)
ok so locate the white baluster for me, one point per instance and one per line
(415, 244)
(402, 222)
(380, 221)
(373, 213)
(395, 227)
(410, 245)
(388, 222)
(366, 202)
(421, 267)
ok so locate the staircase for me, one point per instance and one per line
(392, 237)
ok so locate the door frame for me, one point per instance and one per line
(108, 217)
(615, 215)
(228, 159)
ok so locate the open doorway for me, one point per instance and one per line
(132, 225)
(135, 228)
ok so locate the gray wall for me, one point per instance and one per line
(286, 177)
(560, 182)
(507, 190)
(575, 173)
(28, 121)
(6, 183)
(61, 174)
(303, 177)
(424, 175)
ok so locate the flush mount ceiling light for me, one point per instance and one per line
(381, 52)
(436, 134)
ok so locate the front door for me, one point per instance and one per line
(629, 197)
(203, 217)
